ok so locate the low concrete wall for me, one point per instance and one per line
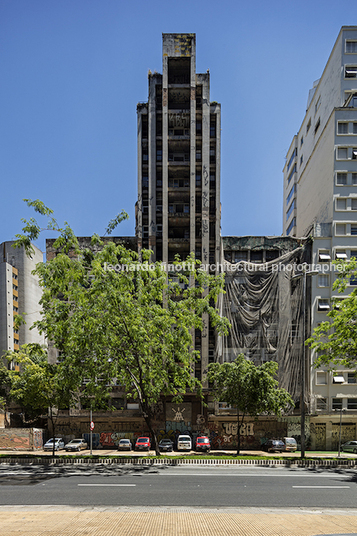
(21, 439)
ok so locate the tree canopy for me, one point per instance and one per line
(117, 318)
(250, 389)
(335, 340)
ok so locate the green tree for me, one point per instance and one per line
(335, 340)
(250, 389)
(117, 318)
(40, 388)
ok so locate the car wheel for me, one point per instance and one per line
(354, 451)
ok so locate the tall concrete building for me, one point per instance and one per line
(320, 199)
(179, 158)
(179, 139)
(20, 293)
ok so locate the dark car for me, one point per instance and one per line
(203, 444)
(350, 446)
(143, 443)
(166, 445)
(273, 445)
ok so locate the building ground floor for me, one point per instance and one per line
(190, 417)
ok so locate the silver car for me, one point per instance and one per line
(59, 444)
(76, 444)
(350, 446)
(125, 444)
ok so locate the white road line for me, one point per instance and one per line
(322, 487)
(108, 485)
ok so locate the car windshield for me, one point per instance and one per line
(142, 440)
(165, 441)
(76, 441)
(290, 441)
(124, 441)
(203, 440)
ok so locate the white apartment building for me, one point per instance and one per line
(20, 293)
(320, 199)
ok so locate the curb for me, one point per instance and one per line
(166, 461)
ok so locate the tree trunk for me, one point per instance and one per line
(53, 433)
(148, 420)
(239, 426)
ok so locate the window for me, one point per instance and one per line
(342, 153)
(317, 126)
(301, 141)
(239, 256)
(342, 128)
(292, 174)
(324, 255)
(292, 224)
(351, 403)
(353, 254)
(317, 105)
(353, 281)
(338, 379)
(198, 180)
(159, 155)
(341, 179)
(323, 280)
(145, 181)
(212, 130)
(294, 154)
(291, 193)
(256, 256)
(354, 153)
(351, 47)
(354, 179)
(350, 71)
(321, 404)
(353, 230)
(308, 126)
(291, 208)
(301, 159)
(321, 378)
(212, 180)
(323, 305)
(337, 403)
(198, 155)
(341, 204)
(341, 255)
(354, 204)
(340, 229)
(354, 128)
(351, 377)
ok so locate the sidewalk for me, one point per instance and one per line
(140, 521)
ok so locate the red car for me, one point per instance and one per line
(203, 444)
(143, 443)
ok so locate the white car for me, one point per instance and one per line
(184, 442)
(59, 444)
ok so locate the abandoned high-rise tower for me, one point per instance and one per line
(178, 209)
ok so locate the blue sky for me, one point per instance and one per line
(72, 72)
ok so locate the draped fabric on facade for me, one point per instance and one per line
(263, 305)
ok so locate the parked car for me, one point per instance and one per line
(290, 444)
(76, 444)
(350, 446)
(203, 444)
(166, 445)
(125, 444)
(59, 444)
(184, 442)
(273, 445)
(143, 443)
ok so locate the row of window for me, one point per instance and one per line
(336, 404)
(251, 255)
(346, 203)
(340, 378)
(324, 255)
(346, 153)
(343, 178)
(345, 229)
(345, 127)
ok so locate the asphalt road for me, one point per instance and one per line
(211, 486)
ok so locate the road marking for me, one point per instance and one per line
(322, 487)
(108, 485)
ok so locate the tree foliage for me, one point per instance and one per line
(116, 319)
(250, 389)
(335, 340)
